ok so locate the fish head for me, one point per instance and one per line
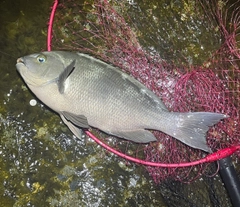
(40, 68)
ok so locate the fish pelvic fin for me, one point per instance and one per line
(77, 120)
(74, 129)
(64, 75)
(190, 128)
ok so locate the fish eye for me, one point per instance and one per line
(41, 58)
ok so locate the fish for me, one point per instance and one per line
(88, 92)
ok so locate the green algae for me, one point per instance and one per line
(178, 30)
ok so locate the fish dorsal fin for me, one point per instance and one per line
(78, 120)
(64, 75)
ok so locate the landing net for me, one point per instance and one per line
(146, 45)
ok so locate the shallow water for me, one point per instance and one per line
(41, 163)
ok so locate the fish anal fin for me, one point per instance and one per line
(138, 135)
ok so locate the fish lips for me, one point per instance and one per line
(20, 64)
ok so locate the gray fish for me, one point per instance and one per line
(86, 91)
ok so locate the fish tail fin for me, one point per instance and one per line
(190, 128)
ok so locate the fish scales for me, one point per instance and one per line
(119, 97)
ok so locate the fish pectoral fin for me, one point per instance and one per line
(78, 120)
(64, 75)
(139, 135)
(75, 130)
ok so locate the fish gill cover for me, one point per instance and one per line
(186, 52)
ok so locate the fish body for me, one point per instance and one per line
(86, 91)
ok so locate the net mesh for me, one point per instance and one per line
(104, 29)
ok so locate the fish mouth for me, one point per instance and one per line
(20, 60)
(20, 64)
